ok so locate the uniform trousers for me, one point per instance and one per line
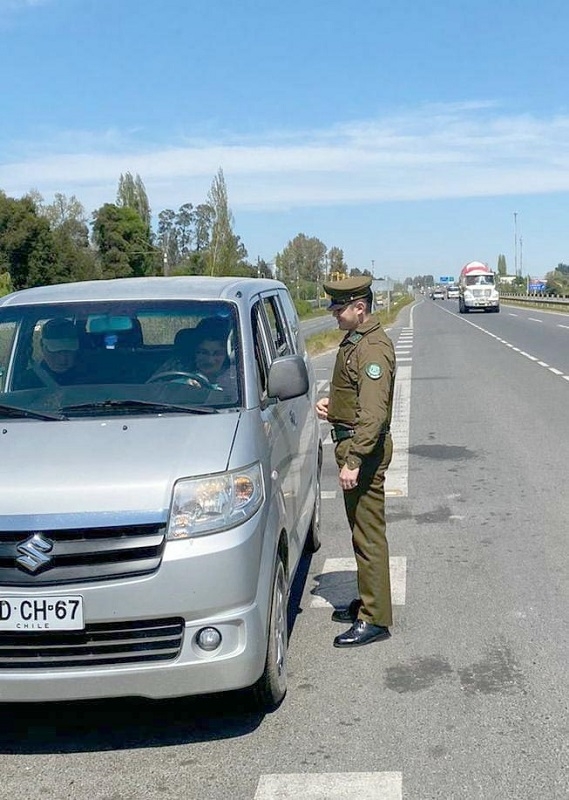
(365, 509)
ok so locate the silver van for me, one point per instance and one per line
(159, 480)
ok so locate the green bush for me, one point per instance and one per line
(5, 283)
(303, 307)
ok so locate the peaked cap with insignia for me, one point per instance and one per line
(342, 292)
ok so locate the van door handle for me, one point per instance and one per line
(292, 417)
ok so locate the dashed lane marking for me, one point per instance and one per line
(558, 372)
(331, 786)
(336, 584)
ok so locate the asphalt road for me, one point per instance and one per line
(468, 700)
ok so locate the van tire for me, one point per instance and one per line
(313, 542)
(270, 689)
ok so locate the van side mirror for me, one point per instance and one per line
(288, 378)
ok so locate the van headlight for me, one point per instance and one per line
(214, 503)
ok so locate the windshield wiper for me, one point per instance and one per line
(14, 411)
(139, 405)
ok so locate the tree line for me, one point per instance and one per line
(55, 242)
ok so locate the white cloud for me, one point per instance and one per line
(439, 151)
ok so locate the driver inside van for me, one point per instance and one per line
(59, 344)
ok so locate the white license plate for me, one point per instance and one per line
(37, 613)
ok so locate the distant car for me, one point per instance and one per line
(452, 293)
(438, 294)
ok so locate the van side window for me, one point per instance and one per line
(261, 356)
(277, 327)
(292, 319)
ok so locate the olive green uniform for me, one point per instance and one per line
(360, 406)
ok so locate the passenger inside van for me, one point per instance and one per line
(202, 352)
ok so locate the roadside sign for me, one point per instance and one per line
(446, 279)
(536, 286)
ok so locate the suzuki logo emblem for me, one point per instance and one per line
(33, 552)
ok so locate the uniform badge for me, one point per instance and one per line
(374, 371)
(354, 338)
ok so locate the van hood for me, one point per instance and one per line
(105, 471)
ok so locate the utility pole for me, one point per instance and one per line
(516, 243)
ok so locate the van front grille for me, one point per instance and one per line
(99, 644)
(79, 555)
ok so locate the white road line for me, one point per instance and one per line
(563, 326)
(397, 477)
(331, 786)
(553, 370)
(321, 385)
(533, 319)
(337, 584)
(328, 495)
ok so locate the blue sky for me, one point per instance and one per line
(407, 133)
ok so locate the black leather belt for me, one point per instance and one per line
(341, 432)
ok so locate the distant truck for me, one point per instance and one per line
(477, 288)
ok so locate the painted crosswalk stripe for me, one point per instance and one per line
(331, 786)
(336, 584)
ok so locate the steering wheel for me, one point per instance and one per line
(195, 379)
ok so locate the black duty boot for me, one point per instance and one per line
(362, 633)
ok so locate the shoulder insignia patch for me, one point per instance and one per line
(374, 371)
(354, 338)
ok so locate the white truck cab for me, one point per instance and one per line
(477, 288)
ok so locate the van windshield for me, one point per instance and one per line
(102, 358)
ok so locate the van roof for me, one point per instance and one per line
(155, 288)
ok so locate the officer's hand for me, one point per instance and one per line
(322, 408)
(349, 478)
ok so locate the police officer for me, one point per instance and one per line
(359, 408)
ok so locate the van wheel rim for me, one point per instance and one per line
(280, 633)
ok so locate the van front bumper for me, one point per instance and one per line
(193, 672)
